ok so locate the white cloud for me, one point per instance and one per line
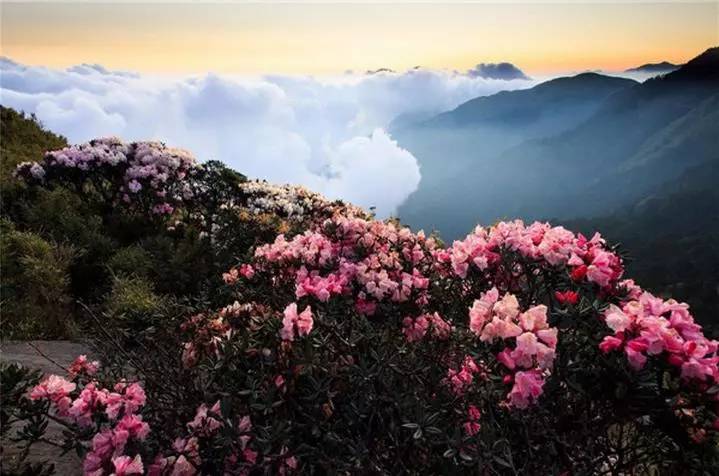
(326, 133)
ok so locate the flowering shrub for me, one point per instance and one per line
(359, 344)
(294, 202)
(343, 344)
(146, 174)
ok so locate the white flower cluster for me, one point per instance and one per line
(33, 168)
(291, 201)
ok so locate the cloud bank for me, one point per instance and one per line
(328, 134)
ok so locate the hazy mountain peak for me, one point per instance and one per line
(504, 71)
(380, 71)
(524, 106)
(663, 67)
(701, 68)
(588, 78)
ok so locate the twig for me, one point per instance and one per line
(46, 357)
(112, 339)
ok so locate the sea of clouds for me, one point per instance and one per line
(327, 133)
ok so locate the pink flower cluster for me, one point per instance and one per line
(113, 417)
(295, 324)
(539, 242)
(460, 380)
(646, 326)
(56, 390)
(205, 422)
(415, 329)
(472, 425)
(373, 261)
(149, 166)
(82, 366)
(124, 399)
(183, 459)
(534, 341)
(94, 403)
(108, 446)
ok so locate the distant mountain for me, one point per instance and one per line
(672, 236)
(463, 145)
(506, 71)
(569, 95)
(639, 125)
(639, 160)
(379, 71)
(663, 67)
(570, 147)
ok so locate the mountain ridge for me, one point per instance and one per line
(661, 67)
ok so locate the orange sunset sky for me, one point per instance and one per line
(332, 37)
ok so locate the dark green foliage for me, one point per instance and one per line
(21, 420)
(23, 139)
(35, 285)
(62, 245)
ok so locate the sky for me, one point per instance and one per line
(333, 37)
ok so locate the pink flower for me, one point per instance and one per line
(183, 467)
(249, 455)
(103, 445)
(548, 336)
(602, 268)
(635, 357)
(134, 186)
(203, 423)
(56, 389)
(499, 328)
(157, 468)
(124, 465)
(534, 318)
(134, 397)
(113, 404)
(616, 319)
(82, 366)
(247, 271)
(505, 357)
(231, 277)
(527, 388)
(507, 308)
(610, 343)
(134, 426)
(471, 428)
(289, 463)
(460, 380)
(303, 321)
(189, 355)
(365, 307)
(245, 424)
(83, 407)
(440, 328)
(481, 311)
(415, 329)
(473, 413)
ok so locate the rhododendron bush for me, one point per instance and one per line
(145, 217)
(352, 345)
